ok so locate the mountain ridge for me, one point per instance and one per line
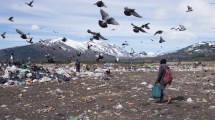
(63, 51)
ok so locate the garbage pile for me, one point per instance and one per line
(26, 74)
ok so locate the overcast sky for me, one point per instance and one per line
(72, 18)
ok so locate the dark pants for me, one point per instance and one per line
(77, 69)
(163, 93)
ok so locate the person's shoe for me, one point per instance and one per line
(159, 101)
(169, 100)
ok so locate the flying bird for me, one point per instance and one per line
(64, 39)
(3, 35)
(107, 72)
(49, 58)
(161, 40)
(41, 41)
(189, 9)
(132, 51)
(116, 60)
(106, 20)
(11, 19)
(30, 4)
(41, 28)
(55, 31)
(125, 44)
(143, 53)
(136, 29)
(100, 4)
(96, 35)
(78, 54)
(23, 35)
(89, 46)
(30, 40)
(129, 12)
(158, 32)
(146, 26)
(181, 28)
(98, 57)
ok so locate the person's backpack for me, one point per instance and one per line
(168, 75)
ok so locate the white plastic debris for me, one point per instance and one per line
(189, 100)
(29, 74)
(204, 100)
(150, 86)
(59, 90)
(88, 88)
(211, 107)
(118, 106)
(212, 84)
(3, 106)
(35, 80)
(45, 79)
(12, 69)
(18, 119)
(143, 83)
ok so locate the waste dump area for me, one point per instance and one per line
(57, 92)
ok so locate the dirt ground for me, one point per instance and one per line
(124, 97)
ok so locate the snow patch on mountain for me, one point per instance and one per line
(98, 46)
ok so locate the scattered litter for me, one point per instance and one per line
(189, 100)
(3, 106)
(118, 106)
(143, 83)
(150, 86)
(211, 107)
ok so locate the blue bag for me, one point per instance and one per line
(156, 91)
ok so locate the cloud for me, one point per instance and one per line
(35, 27)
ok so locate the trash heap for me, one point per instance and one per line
(27, 74)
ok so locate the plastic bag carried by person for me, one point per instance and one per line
(156, 91)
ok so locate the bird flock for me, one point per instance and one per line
(103, 22)
(106, 20)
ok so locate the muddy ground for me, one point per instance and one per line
(126, 96)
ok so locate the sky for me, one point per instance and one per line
(72, 19)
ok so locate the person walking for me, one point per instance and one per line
(77, 65)
(161, 80)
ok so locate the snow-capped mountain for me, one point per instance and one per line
(66, 50)
(201, 47)
(98, 46)
(205, 49)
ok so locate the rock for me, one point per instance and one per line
(156, 112)
(20, 95)
(164, 111)
(59, 90)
